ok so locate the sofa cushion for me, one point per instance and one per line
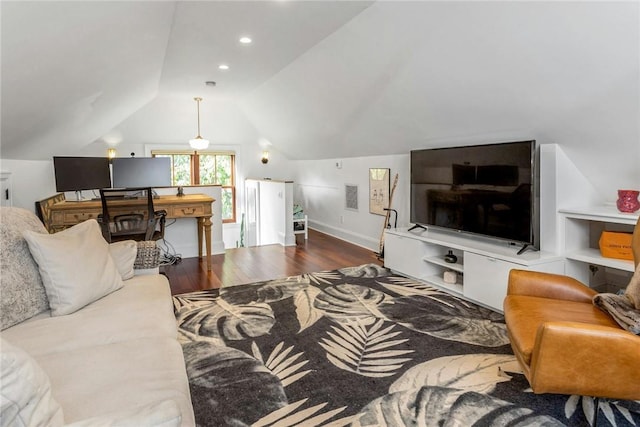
(75, 265)
(524, 314)
(25, 395)
(141, 308)
(124, 256)
(110, 378)
(22, 293)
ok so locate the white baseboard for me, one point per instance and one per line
(346, 235)
(191, 250)
(217, 247)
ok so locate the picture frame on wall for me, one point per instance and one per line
(379, 183)
(351, 197)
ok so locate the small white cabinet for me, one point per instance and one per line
(269, 208)
(488, 283)
(487, 277)
(482, 267)
(396, 253)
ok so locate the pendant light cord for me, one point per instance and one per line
(198, 101)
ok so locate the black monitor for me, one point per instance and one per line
(81, 173)
(141, 172)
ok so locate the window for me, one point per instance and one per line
(205, 168)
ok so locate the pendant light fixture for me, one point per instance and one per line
(198, 143)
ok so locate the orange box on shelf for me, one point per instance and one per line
(616, 245)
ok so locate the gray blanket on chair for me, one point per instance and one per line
(621, 309)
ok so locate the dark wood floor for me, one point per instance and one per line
(246, 265)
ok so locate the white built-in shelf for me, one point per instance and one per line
(603, 213)
(592, 256)
(439, 260)
(487, 247)
(482, 267)
(579, 225)
(456, 288)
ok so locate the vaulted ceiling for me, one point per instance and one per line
(325, 79)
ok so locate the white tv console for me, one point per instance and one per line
(483, 266)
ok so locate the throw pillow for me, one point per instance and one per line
(22, 294)
(633, 289)
(75, 265)
(124, 255)
(25, 395)
(148, 255)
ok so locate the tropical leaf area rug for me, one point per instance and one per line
(362, 347)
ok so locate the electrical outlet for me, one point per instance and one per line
(338, 164)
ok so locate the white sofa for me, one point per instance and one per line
(115, 361)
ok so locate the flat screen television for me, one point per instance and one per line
(141, 172)
(488, 190)
(81, 173)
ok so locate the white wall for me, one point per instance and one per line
(182, 234)
(560, 71)
(556, 71)
(562, 185)
(35, 180)
(248, 165)
(31, 180)
(319, 186)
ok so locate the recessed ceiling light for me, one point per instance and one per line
(245, 40)
(223, 67)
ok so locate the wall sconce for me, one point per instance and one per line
(111, 153)
(265, 157)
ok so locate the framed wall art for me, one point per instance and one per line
(351, 197)
(379, 180)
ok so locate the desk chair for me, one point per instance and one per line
(128, 214)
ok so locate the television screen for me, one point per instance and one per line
(141, 172)
(81, 173)
(483, 189)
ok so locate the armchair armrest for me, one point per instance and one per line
(565, 351)
(547, 285)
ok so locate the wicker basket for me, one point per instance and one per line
(148, 255)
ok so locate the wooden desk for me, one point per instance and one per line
(67, 213)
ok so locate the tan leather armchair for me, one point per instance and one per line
(564, 343)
